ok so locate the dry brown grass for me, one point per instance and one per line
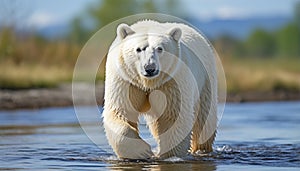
(262, 75)
(241, 75)
(32, 76)
(30, 61)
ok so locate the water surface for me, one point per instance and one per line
(251, 136)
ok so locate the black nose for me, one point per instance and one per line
(150, 69)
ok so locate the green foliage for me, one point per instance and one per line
(104, 12)
(284, 42)
(260, 44)
(78, 33)
(107, 11)
(297, 14)
(281, 43)
(288, 41)
(6, 43)
(229, 46)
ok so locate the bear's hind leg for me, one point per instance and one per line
(204, 130)
(199, 144)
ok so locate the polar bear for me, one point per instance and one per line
(167, 73)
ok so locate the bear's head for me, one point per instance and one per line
(149, 56)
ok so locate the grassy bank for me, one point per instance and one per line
(30, 61)
(242, 75)
(25, 76)
(264, 75)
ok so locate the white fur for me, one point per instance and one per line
(178, 101)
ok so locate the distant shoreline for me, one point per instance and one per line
(61, 96)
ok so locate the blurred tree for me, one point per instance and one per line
(107, 11)
(7, 40)
(297, 14)
(103, 12)
(78, 32)
(12, 23)
(260, 44)
(288, 41)
(283, 43)
(229, 46)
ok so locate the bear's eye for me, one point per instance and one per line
(138, 50)
(159, 49)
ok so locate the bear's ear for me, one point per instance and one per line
(175, 33)
(124, 30)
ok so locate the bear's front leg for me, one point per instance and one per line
(123, 136)
(170, 121)
(172, 135)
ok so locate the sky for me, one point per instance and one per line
(42, 13)
(227, 9)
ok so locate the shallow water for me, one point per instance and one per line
(251, 136)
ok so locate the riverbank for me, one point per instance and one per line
(62, 96)
(48, 97)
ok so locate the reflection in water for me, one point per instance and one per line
(188, 166)
(251, 135)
